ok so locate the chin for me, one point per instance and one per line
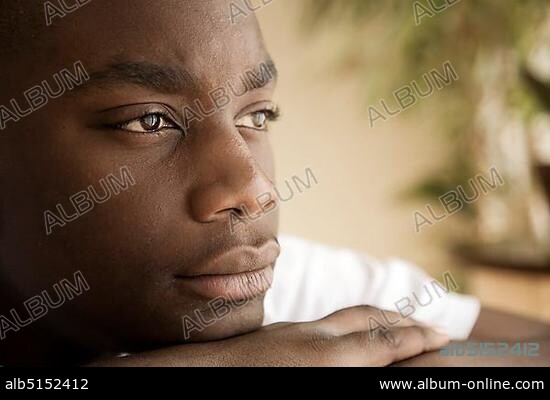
(229, 322)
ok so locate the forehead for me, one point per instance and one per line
(195, 35)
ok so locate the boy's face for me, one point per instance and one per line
(139, 249)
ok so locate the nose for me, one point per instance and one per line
(239, 185)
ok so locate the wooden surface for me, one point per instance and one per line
(520, 292)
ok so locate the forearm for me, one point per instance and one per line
(253, 349)
(190, 355)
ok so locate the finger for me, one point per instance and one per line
(395, 344)
(360, 318)
(277, 325)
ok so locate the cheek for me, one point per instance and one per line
(263, 154)
(119, 224)
(132, 224)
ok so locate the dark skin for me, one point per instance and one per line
(132, 248)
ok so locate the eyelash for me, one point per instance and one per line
(165, 116)
(271, 114)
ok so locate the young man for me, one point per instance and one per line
(127, 185)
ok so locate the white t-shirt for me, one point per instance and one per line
(312, 281)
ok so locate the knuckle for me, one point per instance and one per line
(352, 309)
(390, 338)
(319, 342)
(366, 308)
(323, 348)
(364, 338)
(416, 334)
(359, 341)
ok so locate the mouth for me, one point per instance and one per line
(242, 273)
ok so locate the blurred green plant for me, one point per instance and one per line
(384, 45)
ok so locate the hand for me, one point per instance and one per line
(340, 339)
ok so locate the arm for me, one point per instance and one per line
(496, 327)
(340, 339)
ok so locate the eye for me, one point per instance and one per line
(149, 123)
(258, 120)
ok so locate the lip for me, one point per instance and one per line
(234, 287)
(242, 273)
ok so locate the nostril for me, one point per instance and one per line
(239, 212)
(244, 198)
(270, 205)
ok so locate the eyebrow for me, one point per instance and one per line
(166, 79)
(151, 76)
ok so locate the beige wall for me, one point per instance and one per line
(360, 171)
